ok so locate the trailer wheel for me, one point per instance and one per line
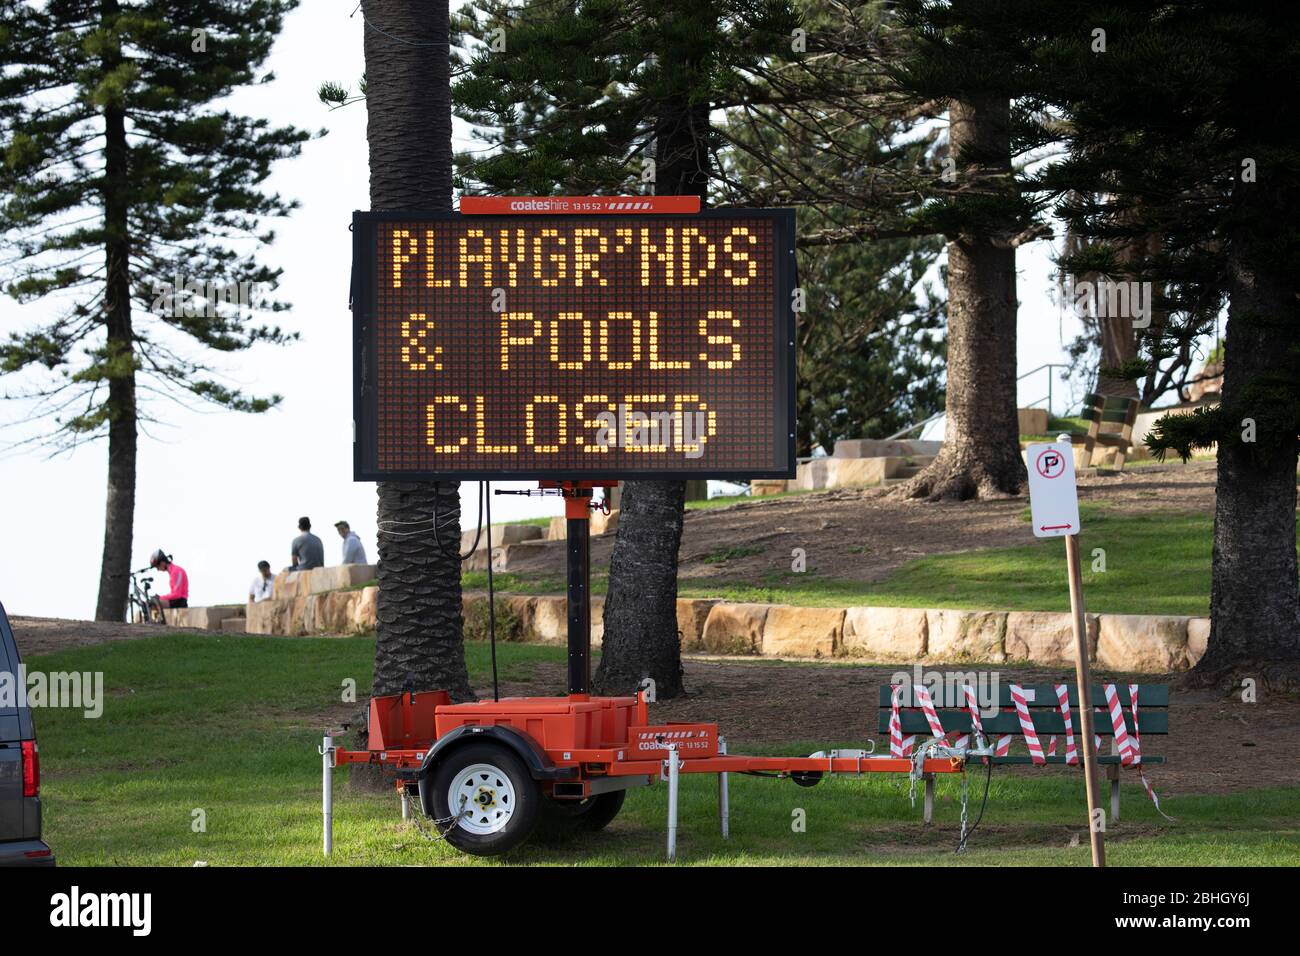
(590, 814)
(487, 797)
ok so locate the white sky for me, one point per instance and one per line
(221, 491)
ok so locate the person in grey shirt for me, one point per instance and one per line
(354, 552)
(308, 550)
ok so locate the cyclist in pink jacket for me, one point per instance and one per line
(177, 580)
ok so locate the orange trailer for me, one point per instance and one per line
(485, 772)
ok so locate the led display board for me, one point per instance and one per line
(601, 346)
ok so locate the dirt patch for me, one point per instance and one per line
(45, 635)
(863, 535)
(1215, 745)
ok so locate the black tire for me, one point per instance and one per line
(504, 772)
(588, 815)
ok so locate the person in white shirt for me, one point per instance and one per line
(353, 550)
(260, 589)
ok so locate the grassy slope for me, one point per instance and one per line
(1154, 564)
(231, 725)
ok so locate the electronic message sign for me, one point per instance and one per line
(574, 346)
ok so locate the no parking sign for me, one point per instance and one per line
(1054, 510)
(1053, 497)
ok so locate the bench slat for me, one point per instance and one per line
(1060, 759)
(1045, 722)
(1042, 696)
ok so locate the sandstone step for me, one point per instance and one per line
(599, 523)
(884, 448)
(234, 625)
(206, 618)
(292, 584)
(503, 555)
(502, 534)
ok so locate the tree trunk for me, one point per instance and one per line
(1117, 332)
(1254, 598)
(640, 617)
(419, 643)
(1118, 347)
(980, 457)
(119, 506)
(641, 638)
(419, 633)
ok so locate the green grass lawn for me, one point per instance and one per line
(1154, 564)
(230, 725)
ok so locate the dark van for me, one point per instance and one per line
(20, 767)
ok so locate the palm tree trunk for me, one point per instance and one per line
(119, 505)
(419, 642)
(980, 457)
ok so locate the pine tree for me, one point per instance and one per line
(599, 96)
(1174, 130)
(956, 55)
(870, 346)
(129, 200)
(941, 100)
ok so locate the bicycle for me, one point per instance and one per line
(143, 608)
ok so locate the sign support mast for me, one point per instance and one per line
(1054, 513)
(578, 549)
(1083, 677)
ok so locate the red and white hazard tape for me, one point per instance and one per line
(899, 746)
(1117, 725)
(1063, 698)
(1027, 724)
(972, 705)
(1135, 751)
(895, 724)
(923, 698)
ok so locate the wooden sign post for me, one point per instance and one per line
(1054, 509)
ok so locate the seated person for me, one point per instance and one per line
(354, 552)
(261, 588)
(307, 550)
(177, 580)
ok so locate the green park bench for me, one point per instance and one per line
(1044, 711)
(1110, 421)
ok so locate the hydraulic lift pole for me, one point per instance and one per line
(578, 545)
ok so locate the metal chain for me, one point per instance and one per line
(965, 790)
(454, 820)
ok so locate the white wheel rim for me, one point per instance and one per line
(482, 798)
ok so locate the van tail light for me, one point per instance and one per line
(31, 769)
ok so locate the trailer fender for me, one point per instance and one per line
(524, 747)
